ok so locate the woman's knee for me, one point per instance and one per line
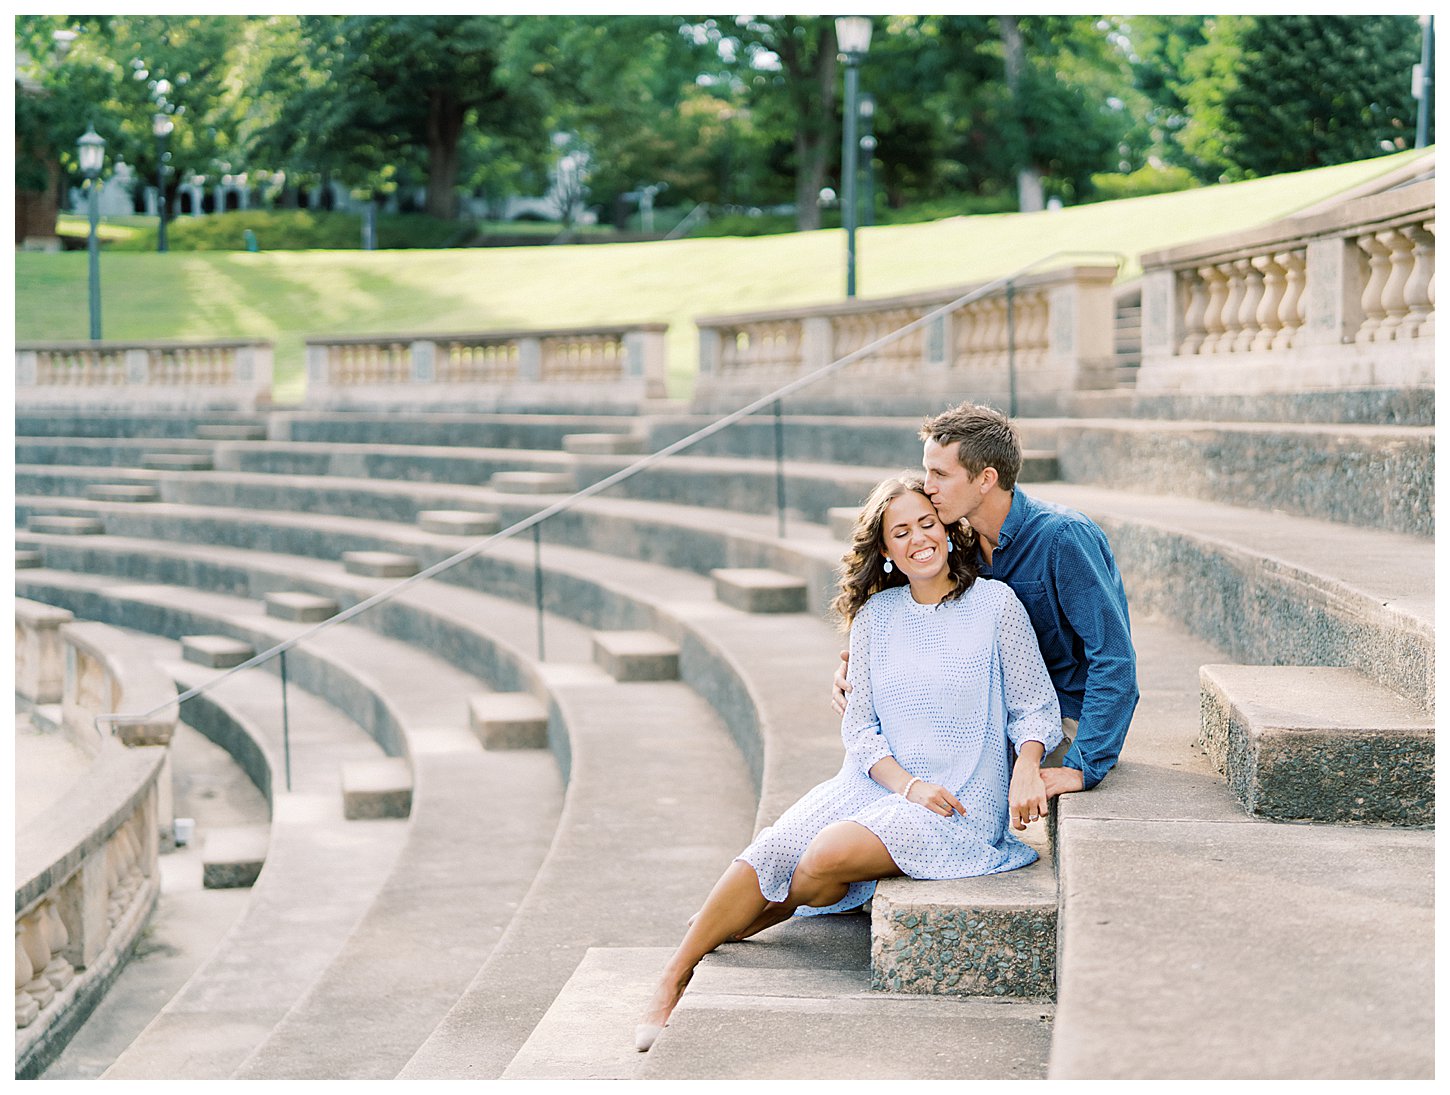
(837, 853)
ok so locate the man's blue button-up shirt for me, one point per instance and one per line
(1062, 570)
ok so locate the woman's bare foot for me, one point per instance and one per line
(773, 913)
(657, 1012)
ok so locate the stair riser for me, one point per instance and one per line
(967, 951)
(1369, 777)
(1385, 482)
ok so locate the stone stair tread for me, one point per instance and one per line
(1319, 743)
(233, 856)
(1401, 579)
(465, 866)
(565, 638)
(300, 607)
(609, 846)
(316, 861)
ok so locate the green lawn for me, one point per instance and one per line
(286, 296)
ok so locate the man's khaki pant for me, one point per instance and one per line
(1054, 758)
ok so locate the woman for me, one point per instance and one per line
(946, 676)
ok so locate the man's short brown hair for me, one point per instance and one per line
(985, 439)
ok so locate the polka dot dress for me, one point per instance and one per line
(948, 690)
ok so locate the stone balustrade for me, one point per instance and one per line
(497, 370)
(102, 676)
(86, 876)
(224, 374)
(1337, 299)
(1054, 330)
(39, 655)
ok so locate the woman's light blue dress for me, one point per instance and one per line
(950, 691)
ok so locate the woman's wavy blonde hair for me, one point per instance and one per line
(862, 573)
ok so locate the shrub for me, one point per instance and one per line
(298, 230)
(1146, 180)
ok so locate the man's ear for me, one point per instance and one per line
(989, 478)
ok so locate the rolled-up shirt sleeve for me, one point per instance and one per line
(860, 727)
(1092, 598)
(1032, 709)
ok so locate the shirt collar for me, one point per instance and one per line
(1015, 516)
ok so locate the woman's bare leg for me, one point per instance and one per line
(840, 854)
(733, 903)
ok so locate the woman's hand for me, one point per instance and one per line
(839, 685)
(935, 798)
(1027, 795)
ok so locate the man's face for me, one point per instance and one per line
(952, 491)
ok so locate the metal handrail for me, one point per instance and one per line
(627, 472)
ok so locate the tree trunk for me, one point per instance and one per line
(1029, 178)
(814, 93)
(445, 127)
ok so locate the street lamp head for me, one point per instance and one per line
(868, 105)
(162, 125)
(853, 35)
(91, 149)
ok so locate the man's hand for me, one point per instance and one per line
(840, 687)
(1061, 781)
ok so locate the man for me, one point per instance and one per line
(1060, 566)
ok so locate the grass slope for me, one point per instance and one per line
(286, 296)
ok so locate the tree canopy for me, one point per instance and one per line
(729, 110)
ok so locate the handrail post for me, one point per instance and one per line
(286, 724)
(539, 588)
(779, 473)
(1011, 353)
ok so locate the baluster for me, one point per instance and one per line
(26, 1009)
(1192, 296)
(32, 936)
(1217, 284)
(1291, 306)
(1247, 316)
(1267, 316)
(1372, 299)
(1417, 285)
(1402, 260)
(1229, 316)
(1425, 328)
(59, 972)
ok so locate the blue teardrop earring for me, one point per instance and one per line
(887, 566)
(949, 547)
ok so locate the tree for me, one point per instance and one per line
(371, 92)
(1277, 93)
(115, 74)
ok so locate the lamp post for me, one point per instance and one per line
(853, 35)
(1424, 81)
(91, 149)
(868, 150)
(161, 125)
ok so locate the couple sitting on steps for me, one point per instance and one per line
(947, 677)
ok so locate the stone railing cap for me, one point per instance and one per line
(142, 685)
(39, 614)
(1404, 202)
(485, 336)
(111, 346)
(933, 297)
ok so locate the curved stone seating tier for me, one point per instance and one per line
(467, 866)
(1316, 593)
(322, 872)
(1367, 476)
(118, 452)
(72, 422)
(492, 431)
(1364, 406)
(85, 885)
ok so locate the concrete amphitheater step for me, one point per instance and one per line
(456, 881)
(888, 442)
(488, 431)
(1312, 743)
(59, 422)
(316, 862)
(1336, 473)
(1275, 589)
(115, 452)
(654, 778)
(1185, 922)
(795, 1003)
(1368, 406)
